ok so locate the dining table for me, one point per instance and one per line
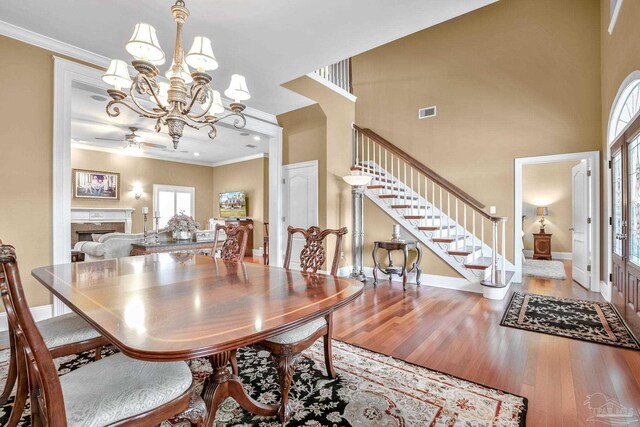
(179, 306)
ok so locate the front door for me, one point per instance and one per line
(580, 227)
(300, 203)
(618, 222)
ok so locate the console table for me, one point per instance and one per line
(140, 248)
(390, 269)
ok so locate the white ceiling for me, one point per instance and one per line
(271, 42)
(89, 121)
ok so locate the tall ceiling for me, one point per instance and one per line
(270, 42)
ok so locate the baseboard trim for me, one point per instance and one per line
(258, 252)
(447, 282)
(39, 313)
(555, 255)
(605, 290)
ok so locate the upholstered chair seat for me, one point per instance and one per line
(118, 387)
(66, 329)
(300, 333)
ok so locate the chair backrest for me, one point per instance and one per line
(235, 245)
(313, 254)
(47, 405)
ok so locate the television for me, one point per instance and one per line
(233, 204)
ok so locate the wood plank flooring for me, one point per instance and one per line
(459, 333)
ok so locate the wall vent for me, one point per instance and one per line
(425, 113)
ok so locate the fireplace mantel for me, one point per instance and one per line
(98, 215)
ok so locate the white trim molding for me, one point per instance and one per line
(240, 159)
(593, 163)
(53, 45)
(615, 12)
(314, 76)
(39, 313)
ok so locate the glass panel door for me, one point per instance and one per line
(634, 201)
(616, 166)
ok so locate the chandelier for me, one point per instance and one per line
(184, 98)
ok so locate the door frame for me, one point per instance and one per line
(593, 164)
(314, 165)
(66, 73)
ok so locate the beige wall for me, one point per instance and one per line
(340, 114)
(146, 172)
(517, 78)
(548, 184)
(249, 177)
(27, 139)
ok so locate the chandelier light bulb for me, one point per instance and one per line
(163, 93)
(216, 104)
(237, 89)
(201, 56)
(117, 74)
(185, 73)
(144, 44)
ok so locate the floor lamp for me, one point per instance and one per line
(358, 183)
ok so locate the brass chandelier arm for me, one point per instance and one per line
(149, 89)
(194, 97)
(114, 111)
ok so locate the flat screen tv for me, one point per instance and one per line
(233, 204)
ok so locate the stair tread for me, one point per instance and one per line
(508, 276)
(447, 239)
(414, 217)
(397, 196)
(465, 251)
(407, 207)
(434, 227)
(480, 263)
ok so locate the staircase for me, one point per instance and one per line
(445, 219)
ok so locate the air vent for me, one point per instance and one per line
(425, 113)
(245, 134)
(250, 146)
(98, 98)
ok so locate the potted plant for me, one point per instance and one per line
(182, 226)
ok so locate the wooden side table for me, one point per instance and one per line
(542, 246)
(390, 269)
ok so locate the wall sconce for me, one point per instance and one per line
(137, 192)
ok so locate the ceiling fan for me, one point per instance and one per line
(135, 141)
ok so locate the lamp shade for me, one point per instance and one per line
(200, 55)
(542, 211)
(237, 89)
(185, 73)
(216, 104)
(356, 179)
(117, 74)
(144, 44)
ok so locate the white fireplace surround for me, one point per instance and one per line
(100, 215)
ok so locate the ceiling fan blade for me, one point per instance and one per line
(151, 145)
(108, 139)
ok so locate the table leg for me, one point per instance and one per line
(375, 265)
(418, 269)
(404, 268)
(222, 384)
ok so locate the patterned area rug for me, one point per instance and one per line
(543, 268)
(371, 390)
(591, 321)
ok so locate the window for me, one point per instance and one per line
(169, 200)
(625, 110)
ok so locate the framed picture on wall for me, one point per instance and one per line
(96, 185)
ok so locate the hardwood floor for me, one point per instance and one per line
(459, 333)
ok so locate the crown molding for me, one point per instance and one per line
(53, 45)
(240, 159)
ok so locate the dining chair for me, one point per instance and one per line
(63, 335)
(115, 390)
(286, 347)
(235, 244)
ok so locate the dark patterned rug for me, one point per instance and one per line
(591, 321)
(371, 390)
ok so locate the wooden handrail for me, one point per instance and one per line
(425, 170)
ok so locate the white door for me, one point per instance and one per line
(300, 203)
(580, 228)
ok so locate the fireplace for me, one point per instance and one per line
(88, 221)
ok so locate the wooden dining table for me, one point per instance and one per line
(173, 306)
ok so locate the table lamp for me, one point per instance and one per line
(542, 211)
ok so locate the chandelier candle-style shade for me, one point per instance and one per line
(174, 102)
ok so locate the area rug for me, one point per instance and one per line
(371, 390)
(544, 269)
(597, 322)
